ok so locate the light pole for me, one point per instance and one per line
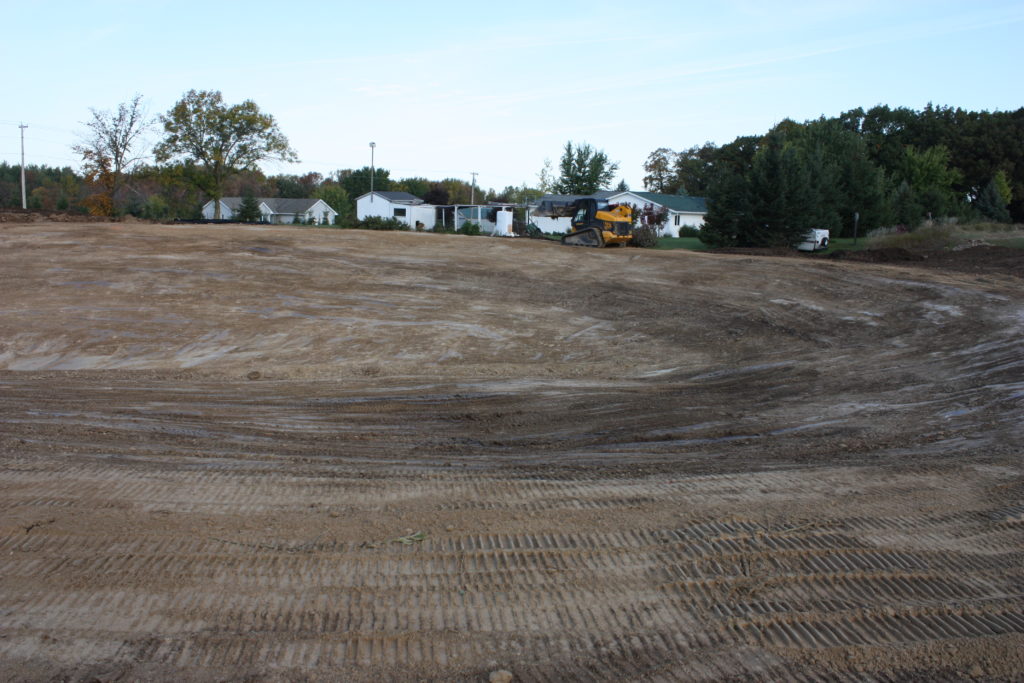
(24, 205)
(373, 146)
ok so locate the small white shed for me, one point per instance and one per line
(402, 206)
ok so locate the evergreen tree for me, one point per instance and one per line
(584, 170)
(729, 214)
(248, 210)
(992, 204)
(905, 207)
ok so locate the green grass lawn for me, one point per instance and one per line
(691, 243)
(1017, 242)
(846, 244)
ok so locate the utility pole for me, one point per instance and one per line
(24, 204)
(472, 189)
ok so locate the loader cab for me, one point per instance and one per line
(586, 211)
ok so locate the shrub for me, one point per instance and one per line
(644, 236)
(156, 208)
(647, 225)
(469, 228)
(378, 223)
(689, 231)
(924, 238)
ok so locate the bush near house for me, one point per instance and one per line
(378, 223)
(469, 228)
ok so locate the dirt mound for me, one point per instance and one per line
(34, 216)
(886, 255)
(979, 259)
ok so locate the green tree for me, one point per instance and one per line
(338, 199)
(248, 210)
(843, 176)
(583, 170)
(546, 178)
(660, 169)
(459, 191)
(219, 140)
(437, 195)
(414, 186)
(783, 199)
(774, 203)
(296, 186)
(692, 170)
(730, 213)
(357, 182)
(1002, 187)
(930, 177)
(992, 202)
(110, 147)
(905, 207)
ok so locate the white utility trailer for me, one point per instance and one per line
(814, 240)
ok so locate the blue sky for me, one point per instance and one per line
(446, 88)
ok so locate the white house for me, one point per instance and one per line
(682, 210)
(277, 210)
(402, 206)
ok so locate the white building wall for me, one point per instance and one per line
(322, 213)
(549, 225)
(208, 207)
(375, 205)
(678, 220)
(424, 213)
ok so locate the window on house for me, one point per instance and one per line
(677, 219)
(399, 213)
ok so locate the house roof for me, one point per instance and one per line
(276, 204)
(675, 202)
(396, 197)
(600, 194)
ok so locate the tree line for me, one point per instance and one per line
(857, 171)
(208, 150)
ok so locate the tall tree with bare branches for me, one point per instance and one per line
(110, 148)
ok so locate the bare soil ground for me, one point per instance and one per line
(238, 453)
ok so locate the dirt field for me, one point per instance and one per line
(238, 453)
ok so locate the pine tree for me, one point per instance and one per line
(992, 204)
(248, 210)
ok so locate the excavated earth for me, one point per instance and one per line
(244, 453)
